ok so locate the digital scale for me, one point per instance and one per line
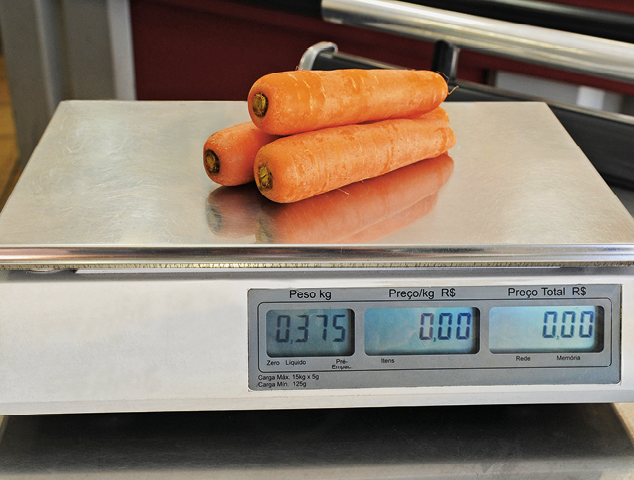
(131, 282)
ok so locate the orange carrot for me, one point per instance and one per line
(438, 113)
(228, 154)
(338, 216)
(306, 164)
(232, 211)
(291, 102)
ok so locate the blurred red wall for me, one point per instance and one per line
(216, 49)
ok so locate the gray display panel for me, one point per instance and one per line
(546, 328)
(300, 332)
(434, 336)
(421, 331)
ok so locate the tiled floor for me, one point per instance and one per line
(9, 167)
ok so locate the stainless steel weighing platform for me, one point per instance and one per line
(132, 283)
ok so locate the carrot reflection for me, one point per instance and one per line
(395, 223)
(232, 211)
(361, 212)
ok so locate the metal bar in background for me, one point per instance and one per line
(538, 45)
(98, 45)
(569, 18)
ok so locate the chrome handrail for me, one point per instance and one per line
(537, 45)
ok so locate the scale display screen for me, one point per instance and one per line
(421, 331)
(549, 328)
(434, 336)
(309, 333)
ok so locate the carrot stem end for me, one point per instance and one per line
(260, 105)
(212, 162)
(265, 178)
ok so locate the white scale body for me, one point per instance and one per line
(128, 285)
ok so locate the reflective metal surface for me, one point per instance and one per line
(538, 45)
(122, 184)
(309, 56)
(536, 442)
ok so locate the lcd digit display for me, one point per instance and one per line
(549, 328)
(309, 333)
(421, 331)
